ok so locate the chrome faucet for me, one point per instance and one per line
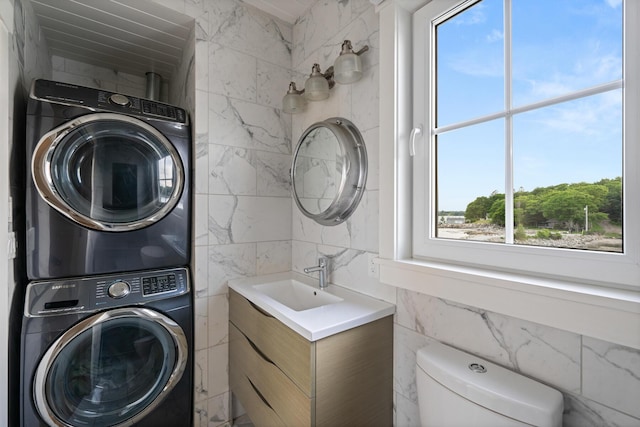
(321, 268)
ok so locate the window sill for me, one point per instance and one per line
(609, 314)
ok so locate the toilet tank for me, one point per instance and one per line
(459, 389)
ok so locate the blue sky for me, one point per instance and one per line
(558, 47)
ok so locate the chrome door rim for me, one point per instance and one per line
(43, 180)
(40, 378)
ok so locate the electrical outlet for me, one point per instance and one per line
(372, 266)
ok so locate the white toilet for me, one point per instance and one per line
(459, 389)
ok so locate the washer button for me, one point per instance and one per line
(119, 289)
(118, 99)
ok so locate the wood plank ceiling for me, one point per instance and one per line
(132, 36)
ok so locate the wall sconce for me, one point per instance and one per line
(348, 66)
(293, 102)
(316, 87)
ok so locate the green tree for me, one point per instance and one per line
(496, 212)
(477, 209)
(567, 206)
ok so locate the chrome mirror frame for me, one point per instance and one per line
(353, 176)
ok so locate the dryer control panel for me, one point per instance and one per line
(83, 295)
(98, 99)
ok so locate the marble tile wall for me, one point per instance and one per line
(83, 74)
(318, 36)
(233, 80)
(600, 381)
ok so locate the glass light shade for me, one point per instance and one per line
(347, 68)
(293, 103)
(316, 88)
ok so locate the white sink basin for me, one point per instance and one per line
(295, 300)
(296, 295)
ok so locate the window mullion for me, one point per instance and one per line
(508, 136)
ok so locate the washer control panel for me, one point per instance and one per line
(98, 99)
(89, 294)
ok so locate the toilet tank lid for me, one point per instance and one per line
(498, 389)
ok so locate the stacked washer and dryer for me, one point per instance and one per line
(107, 328)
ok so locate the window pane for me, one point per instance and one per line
(470, 183)
(563, 46)
(567, 174)
(470, 63)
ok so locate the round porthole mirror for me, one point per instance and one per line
(329, 171)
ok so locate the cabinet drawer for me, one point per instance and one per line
(289, 351)
(261, 414)
(278, 392)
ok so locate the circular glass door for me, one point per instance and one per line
(108, 172)
(111, 369)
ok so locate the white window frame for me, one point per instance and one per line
(575, 303)
(621, 269)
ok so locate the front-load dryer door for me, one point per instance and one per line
(111, 369)
(108, 172)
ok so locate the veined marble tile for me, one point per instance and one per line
(406, 344)
(232, 73)
(83, 69)
(194, 8)
(320, 23)
(218, 320)
(201, 66)
(218, 370)
(407, 412)
(611, 375)
(363, 224)
(201, 323)
(348, 268)
(261, 219)
(250, 31)
(232, 170)
(365, 99)
(218, 410)
(200, 225)
(360, 6)
(201, 143)
(177, 5)
(201, 375)
(242, 124)
(304, 228)
(304, 254)
(201, 273)
(273, 257)
(581, 412)
(548, 354)
(273, 174)
(273, 83)
(364, 30)
(221, 212)
(228, 262)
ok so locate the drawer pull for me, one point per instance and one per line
(259, 310)
(259, 394)
(260, 353)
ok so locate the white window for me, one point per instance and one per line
(527, 156)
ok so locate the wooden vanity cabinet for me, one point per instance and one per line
(282, 379)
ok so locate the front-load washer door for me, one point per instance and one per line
(111, 369)
(108, 172)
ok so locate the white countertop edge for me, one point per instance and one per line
(320, 322)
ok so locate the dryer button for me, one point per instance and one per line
(119, 290)
(118, 99)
